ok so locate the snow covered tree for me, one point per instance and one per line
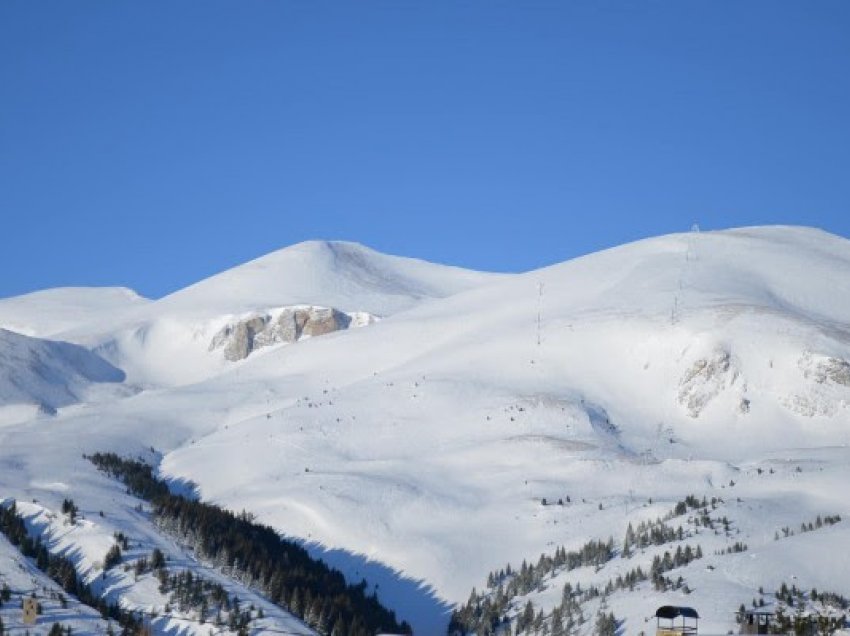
(606, 625)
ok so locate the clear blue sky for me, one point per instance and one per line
(151, 144)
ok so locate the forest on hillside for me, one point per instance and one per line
(258, 556)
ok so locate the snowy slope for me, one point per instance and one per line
(88, 538)
(427, 441)
(468, 417)
(48, 374)
(168, 342)
(25, 580)
(346, 276)
(49, 312)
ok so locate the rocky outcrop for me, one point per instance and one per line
(706, 379)
(823, 370)
(826, 393)
(283, 326)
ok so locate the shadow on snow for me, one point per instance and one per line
(414, 601)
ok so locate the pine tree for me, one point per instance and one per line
(526, 618)
(628, 541)
(295, 602)
(606, 625)
(557, 623)
(538, 621)
(157, 559)
(112, 558)
(339, 627)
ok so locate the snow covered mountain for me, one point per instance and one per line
(46, 375)
(168, 342)
(52, 311)
(346, 276)
(432, 446)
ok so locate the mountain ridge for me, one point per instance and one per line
(436, 440)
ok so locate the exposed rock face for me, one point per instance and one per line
(826, 369)
(827, 391)
(705, 379)
(284, 326)
(239, 339)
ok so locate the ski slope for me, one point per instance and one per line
(418, 449)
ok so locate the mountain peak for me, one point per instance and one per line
(341, 274)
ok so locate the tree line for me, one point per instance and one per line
(486, 613)
(258, 556)
(62, 571)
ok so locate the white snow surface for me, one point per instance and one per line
(417, 450)
(48, 374)
(345, 276)
(166, 342)
(52, 311)
(25, 580)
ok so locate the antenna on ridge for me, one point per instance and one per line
(691, 254)
(539, 311)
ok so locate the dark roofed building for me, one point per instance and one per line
(757, 621)
(672, 620)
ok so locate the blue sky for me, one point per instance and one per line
(151, 144)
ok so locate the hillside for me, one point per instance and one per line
(172, 341)
(52, 311)
(433, 446)
(343, 275)
(39, 375)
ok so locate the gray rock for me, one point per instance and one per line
(242, 338)
(321, 321)
(832, 369)
(705, 380)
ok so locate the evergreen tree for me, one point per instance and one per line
(606, 625)
(557, 623)
(112, 558)
(157, 560)
(526, 618)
